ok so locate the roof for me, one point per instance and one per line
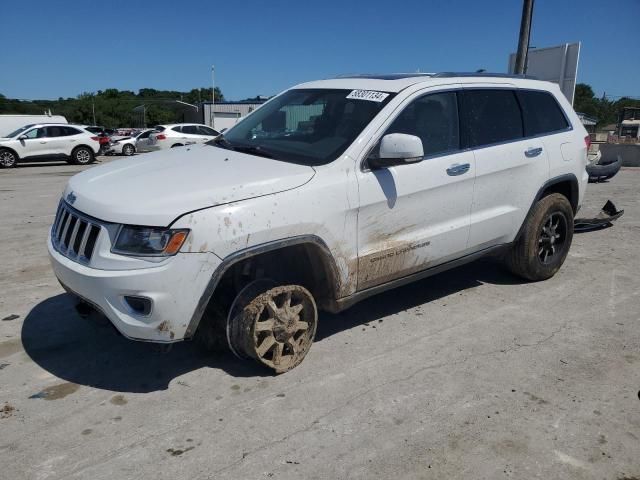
(396, 82)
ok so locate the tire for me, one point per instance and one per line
(544, 241)
(82, 156)
(8, 159)
(128, 149)
(274, 326)
(177, 145)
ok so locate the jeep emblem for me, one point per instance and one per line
(71, 198)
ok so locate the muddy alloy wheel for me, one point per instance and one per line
(276, 327)
(552, 237)
(7, 159)
(544, 242)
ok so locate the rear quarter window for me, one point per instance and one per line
(490, 116)
(541, 113)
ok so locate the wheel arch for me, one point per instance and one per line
(83, 145)
(566, 185)
(315, 264)
(12, 151)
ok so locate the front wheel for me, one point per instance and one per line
(128, 150)
(545, 239)
(82, 156)
(8, 159)
(275, 327)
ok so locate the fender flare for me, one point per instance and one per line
(254, 251)
(575, 189)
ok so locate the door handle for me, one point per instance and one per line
(43, 142)
(458, 169)
(533, 152)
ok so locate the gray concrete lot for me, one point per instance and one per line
(468, 375)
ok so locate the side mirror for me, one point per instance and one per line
(397, 149)
(23, 137)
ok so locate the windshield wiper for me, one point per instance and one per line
(221, 142)
(255, 150)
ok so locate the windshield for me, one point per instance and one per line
(312, 127)
(19, 131)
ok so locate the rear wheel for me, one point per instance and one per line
(8, 159)
(273, 325)
(128, 149)
(177, 145)
(545, 240)
(82, 156)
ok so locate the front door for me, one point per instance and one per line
(35, 144)
(416, 216)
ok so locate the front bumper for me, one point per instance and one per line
(174, 288)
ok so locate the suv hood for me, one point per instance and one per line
(155, 188)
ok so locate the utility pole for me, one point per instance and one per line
(213, 96)
(523, 39)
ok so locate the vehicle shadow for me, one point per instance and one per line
(488, 270)
(92, 353)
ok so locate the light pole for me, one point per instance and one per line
(523, 39)
(213, 96)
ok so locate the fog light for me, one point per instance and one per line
(139, 305)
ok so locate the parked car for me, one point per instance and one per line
(128, 145)
(178, 135)
(331, 192)
(48, 141)
(103, 134)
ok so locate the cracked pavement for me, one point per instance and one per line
(469, 374)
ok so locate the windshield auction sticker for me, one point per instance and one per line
(369, 95)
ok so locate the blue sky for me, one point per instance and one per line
(62, 48)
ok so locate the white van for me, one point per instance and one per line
(10, 123)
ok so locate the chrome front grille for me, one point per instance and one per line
(73, 234)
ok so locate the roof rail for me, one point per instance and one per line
(481, 74)
(384, 76)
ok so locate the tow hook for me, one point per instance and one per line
(84, 309)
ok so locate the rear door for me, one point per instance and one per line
(59, 142)
(190, 134)
(207, 133)
(509, 167)
(544, 118)
(416, 216)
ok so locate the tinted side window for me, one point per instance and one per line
(433, 118)
(541, 113)
(71, 131)
(55, 132)
(176, 129)
(207, 131)
(490, 116)
(190, 129)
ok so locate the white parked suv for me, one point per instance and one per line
(179, 135)
(46, 141)
(332, 191)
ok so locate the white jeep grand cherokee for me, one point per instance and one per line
(330, 192)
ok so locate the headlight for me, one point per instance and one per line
(150, 241)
